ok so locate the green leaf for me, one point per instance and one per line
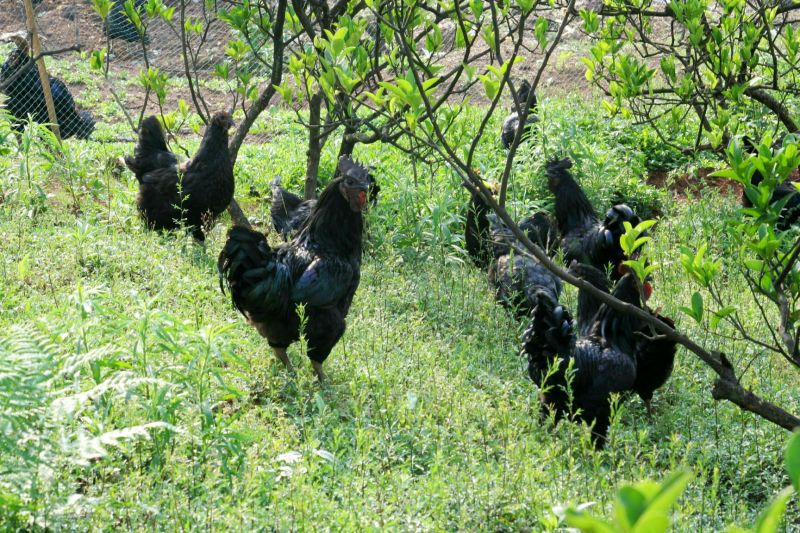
(697, 306)
(490, 85)
(587, 523)
(433, 40)
(24, 267)
(540, 31)
(652, 523)
(102, 7)
(525, 5)
(97, 59)
(771, 517)
(631, 503)
(792, 460)
(286, 92)
(717, 316)
(656, 516)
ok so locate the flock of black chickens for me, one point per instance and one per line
(578, 362)
(307, 284)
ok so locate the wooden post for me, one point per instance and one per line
(36, 48)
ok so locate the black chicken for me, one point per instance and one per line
(790, 213)
(320, 268)
(193, 194)
(515, 276)
(21, 83)
(289, 212)
(477, 235)
(119, 26)
(655, 355)
(603, 362)
(511, 123)
(583, 237)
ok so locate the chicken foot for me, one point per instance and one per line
(280, 353)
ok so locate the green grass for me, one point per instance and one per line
(162, 409)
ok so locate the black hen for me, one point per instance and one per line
(583, 237)
(518, 277)
(477, 234)
(511, 123)
(119, 26)
(193, 194)
(320, 268)
(289, 212)
(790, 213)
(23, 86)
(603, 362)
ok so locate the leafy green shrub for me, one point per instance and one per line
(645, 507)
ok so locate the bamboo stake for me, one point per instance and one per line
(45, 79)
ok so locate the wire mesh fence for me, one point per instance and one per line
(115, 99)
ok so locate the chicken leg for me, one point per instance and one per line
(280, 353)
(318, 370)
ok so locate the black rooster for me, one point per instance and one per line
(511, 123)
(320, 268)
(583, 237)
(477, 235)
(289, 212)
(21, 83)
(193, 194)
(790, 213)
(604, 362)
(516, 276)
(119, 26)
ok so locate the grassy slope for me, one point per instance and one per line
(430, 421)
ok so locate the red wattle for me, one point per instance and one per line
(362, 198)
(648, 290)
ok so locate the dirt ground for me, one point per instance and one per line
(688, 186)
(63, 23)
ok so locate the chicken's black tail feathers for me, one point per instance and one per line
(151, 136)
(151, 151)
(614, 223)
(618, 328)
(549, 333)
(256, 280)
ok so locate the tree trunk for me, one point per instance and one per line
(314, 145)
(275, 79)
(348, 141)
